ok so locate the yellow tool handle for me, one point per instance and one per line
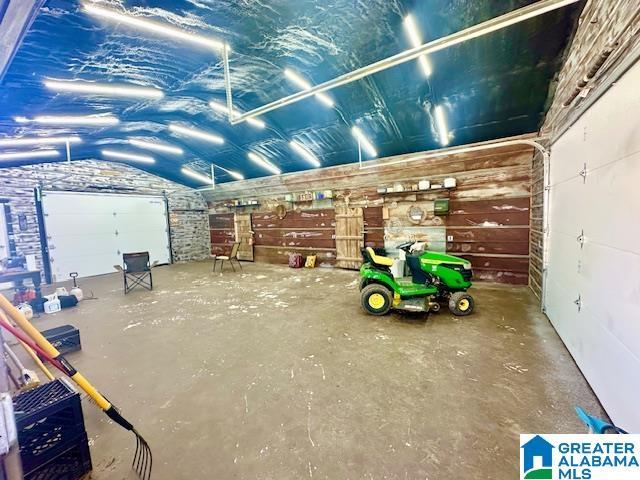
(30, 351)
(18, 317)
(37, 360)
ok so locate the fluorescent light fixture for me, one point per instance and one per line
(305, 85)
(128, 156)
(416, 41)
(195, 133)
(306, 154)
(364, 141)
(254, 157)
(91, 120)
(34, 154)
(92, 88)
(159, 147)
(153, 27)
(198, 176)
(19, 142)
(236, 175)
(441, 123)
(219, 107)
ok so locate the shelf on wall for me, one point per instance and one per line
(405, 192)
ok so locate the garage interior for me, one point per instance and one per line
(258, 161)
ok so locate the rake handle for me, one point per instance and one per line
(18, 317)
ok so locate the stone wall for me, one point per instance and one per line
(607, 32)
(187, 209)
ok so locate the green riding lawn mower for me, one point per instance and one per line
(436, 278)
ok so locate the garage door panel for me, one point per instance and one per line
(563, 260)
(88, 233)
(617, 312)
(615, 195)
(606, 137)
(574, 147)
(603, 335)
(562, 208)
(596, 351)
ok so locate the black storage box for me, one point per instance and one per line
(65, 338)
(51, 432)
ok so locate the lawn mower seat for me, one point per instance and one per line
(379, 260)
(418, 276)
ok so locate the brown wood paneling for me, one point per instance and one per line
(489, 209)
(321, 218)
(222, 236)
(306, 231)
(500, 219)
(514, 248)
(221, 233)
(221, 220)
(492, 205)
(373, 226)
(280, 255)
(488, 234)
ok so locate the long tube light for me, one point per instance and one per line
(195, 133)
(234, 174)
(219, 107)
(19, 142)
(159, 147)
(153, 27)
(484, 28)
(34, 154)
(198, 176)
(364, 141)
(92, 88)
(90, 120)
(128, 156)
(264, 163)
(441, 123)
(304, 153)
(305, 85)
(415, 39)
(475, 147)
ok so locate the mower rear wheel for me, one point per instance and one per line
(376, 299)
(461, 304)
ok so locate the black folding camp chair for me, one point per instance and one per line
(136, 271)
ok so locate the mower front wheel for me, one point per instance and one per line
(461, 304)
(376, 299)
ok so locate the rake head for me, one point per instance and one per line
(142, 459)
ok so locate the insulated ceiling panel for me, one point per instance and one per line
(490, 87)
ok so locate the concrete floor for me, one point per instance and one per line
(278, 374)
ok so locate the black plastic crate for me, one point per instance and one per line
(72, 464)
(66, 338)
(49, 421)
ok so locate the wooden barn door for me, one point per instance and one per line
(349, 237)
(244, 235)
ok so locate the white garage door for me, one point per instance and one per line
(592, 291)
(88, 232)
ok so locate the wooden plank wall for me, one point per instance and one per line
(493, 234)
(373, 227)
(307, 232)
(221, 232)
(488, 223)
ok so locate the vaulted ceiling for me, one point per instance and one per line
(491, 87)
